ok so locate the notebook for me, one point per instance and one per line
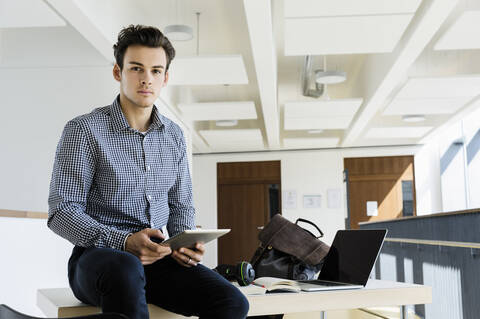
(349, 261)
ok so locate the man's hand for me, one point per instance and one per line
(146, 250)
(189, 257)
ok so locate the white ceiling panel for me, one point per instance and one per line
(233, 139)
(340, 107)
(28, 13)
(463, 34)
(310, 142)
(322, 114)
(344, 35)
(213, 111)
(397, 132)
(326, 8)
(318, 123)
(208, 70)
(441, 87)
(425, 106)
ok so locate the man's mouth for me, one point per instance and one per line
(144, 92)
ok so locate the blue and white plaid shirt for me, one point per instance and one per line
(110, 180)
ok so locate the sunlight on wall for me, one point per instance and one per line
(446, 283)
(388, 267)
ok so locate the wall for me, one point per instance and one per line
(33, 117)
(427, 180)
(455, 156)
(33, 257)
(306, 172)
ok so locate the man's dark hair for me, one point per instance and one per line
(142, 35)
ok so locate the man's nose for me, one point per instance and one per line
(146, 79)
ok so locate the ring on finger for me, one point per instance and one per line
(188, 261)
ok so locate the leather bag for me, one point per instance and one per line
(289, 251)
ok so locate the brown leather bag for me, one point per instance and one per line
(288, 250)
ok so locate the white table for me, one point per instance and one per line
(60, 302)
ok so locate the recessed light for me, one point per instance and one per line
(315, 131)
(413, 118)
(226, 122)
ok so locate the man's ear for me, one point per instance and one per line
(117, 72)
(166, 79)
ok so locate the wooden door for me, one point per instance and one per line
(244, 204)
(388, 181)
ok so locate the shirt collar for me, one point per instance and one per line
(119, 122)
(156, 118)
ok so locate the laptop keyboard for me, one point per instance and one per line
(323, 283)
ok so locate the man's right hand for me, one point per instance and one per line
(148, 252)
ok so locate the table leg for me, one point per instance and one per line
(403, 312)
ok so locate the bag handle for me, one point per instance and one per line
(310, 223)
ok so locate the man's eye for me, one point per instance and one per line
(157, 71)
(135, 68)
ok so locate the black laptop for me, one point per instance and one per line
(349, 261)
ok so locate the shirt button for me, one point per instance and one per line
(149, 197)
(148, 167)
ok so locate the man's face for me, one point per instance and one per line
(143, 74)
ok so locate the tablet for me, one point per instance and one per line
(188, 238)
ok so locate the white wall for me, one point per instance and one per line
(36, 104)
(33, 257)
(471, 128)
(427, 180)
(458, 147)
(307, 172)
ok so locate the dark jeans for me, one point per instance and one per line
(116, 281)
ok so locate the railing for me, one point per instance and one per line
(434, 242)
(442, 251)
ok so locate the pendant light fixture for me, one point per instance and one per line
(329, 77)
(178, 31)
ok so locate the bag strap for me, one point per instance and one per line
(310, 223)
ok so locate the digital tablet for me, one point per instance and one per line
(188, 238)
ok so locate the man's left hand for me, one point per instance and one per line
(189, 257)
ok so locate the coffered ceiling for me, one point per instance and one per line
(246, 63)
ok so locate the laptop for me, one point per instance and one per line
(349, 261)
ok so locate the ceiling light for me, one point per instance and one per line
(413, 118)
(315, 131)
(330, 77)
(178, 32)
(226, 122)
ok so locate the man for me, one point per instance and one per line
(121, 175)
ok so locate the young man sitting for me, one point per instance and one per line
(120, 176)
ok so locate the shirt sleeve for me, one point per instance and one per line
(180, 198)
(72, 177)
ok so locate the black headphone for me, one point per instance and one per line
(243, 272)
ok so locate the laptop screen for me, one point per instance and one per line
(352, 256)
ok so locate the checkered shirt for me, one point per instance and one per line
(110, 180)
